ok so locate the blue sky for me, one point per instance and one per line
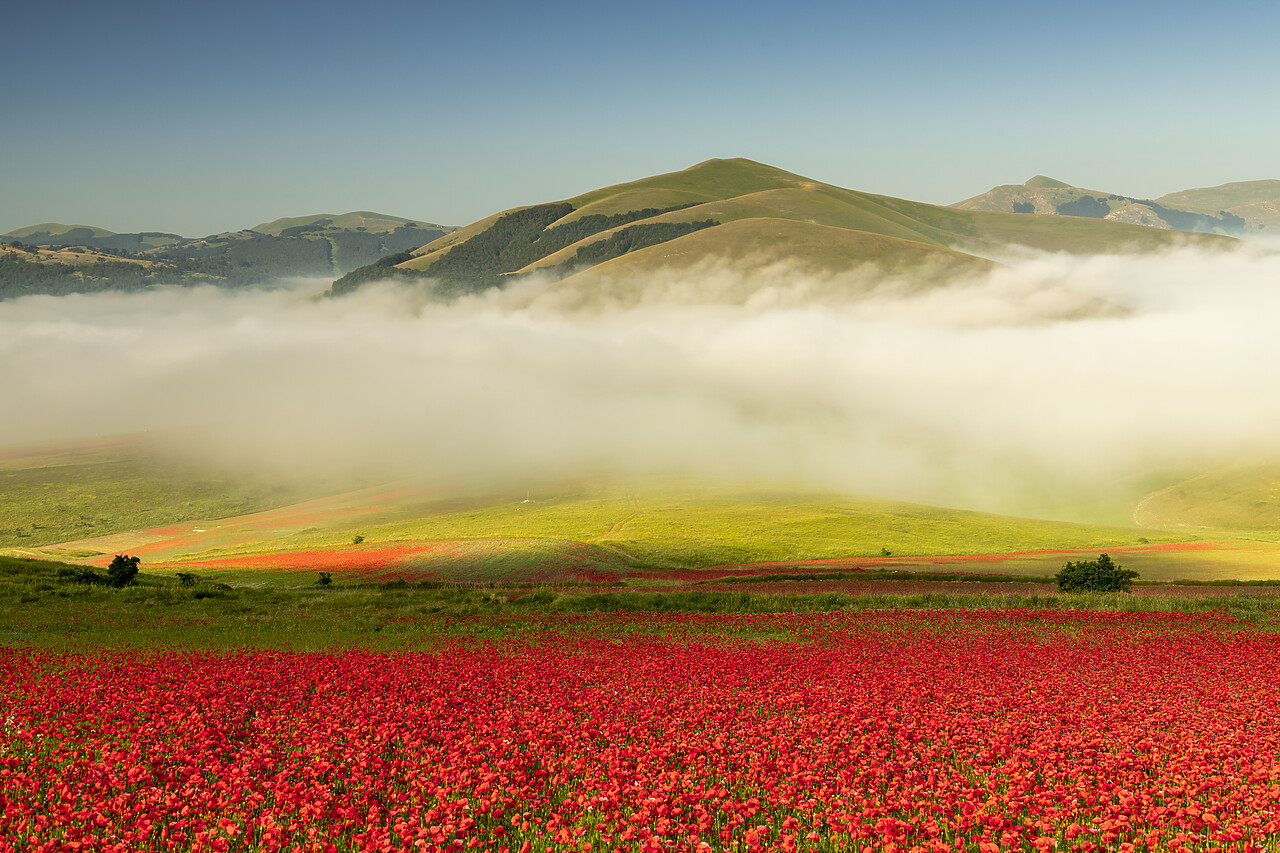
(200, 118)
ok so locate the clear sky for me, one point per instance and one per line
(200, 118)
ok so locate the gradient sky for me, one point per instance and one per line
(201, 118)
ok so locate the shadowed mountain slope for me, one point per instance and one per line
(320, 245)
(692, 212)
(1233, 209)
(1256, 202)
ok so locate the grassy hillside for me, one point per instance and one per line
(1224, 197)
(716, 194)
(844, 264)
(712, 180)
(319, 245)
(1050, 197)
(91, 237)
(1244, 498)
(89, 502)
(57, 271)
(696, 526)
(356, 220)
(57, 495)
(656, 523)
(62, 494)
(57, 229)
(1256, 202)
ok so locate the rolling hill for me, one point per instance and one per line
(54, 258)
(30, 270)
(750, 216)
(1256, 202)
(85, 501)
(90, 237)
(1239, 499)
(1233, 209)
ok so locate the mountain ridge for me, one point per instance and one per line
(723, 191)
(316, 245)
(1238, 209)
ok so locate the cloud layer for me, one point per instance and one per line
(1016, 393)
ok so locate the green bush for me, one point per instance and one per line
(122, 571)
(1100, 575)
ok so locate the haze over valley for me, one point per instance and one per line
(871, 254)
(808, 335)
(563, 427)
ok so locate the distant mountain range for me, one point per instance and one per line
(56, 258)
(1236, 209)
(734, 215)
(747, 217)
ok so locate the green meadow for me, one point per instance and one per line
(40, 607)
(654, 544)
(677, 525)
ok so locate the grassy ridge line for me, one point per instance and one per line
(1224, 196)
(55, 229)
(728, 191)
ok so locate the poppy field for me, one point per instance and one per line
(881, 731)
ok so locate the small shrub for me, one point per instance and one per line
(188, 580)
(1100, 575)
(325, 579)
(85, 575)
(122, 571)
(356, 540)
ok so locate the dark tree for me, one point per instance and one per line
(122, 571)
(1100, 575)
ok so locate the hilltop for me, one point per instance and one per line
(1256, 202)
(28, 270)
(54, 258)
(1232, 209)
(748, 217)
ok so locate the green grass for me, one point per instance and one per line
(738, 189)
(40, 609)
(678, 524)
(709, 181)
(1239, 498)
(71, 495)
(1210, 200)
(754, 242)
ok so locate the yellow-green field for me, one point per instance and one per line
(87, 503)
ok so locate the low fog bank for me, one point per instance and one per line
(1029, 391)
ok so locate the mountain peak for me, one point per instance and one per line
(57, 229)
(1040, 182)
